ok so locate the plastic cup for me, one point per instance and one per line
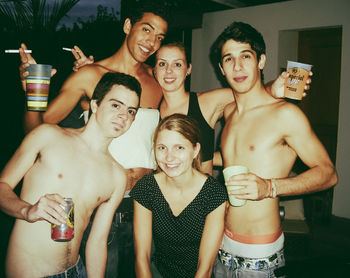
(298, 74)
(231, 171)
(37, 87)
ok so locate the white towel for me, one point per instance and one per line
(134, 148)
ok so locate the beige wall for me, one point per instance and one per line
(270, 20)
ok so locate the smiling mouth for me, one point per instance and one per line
(171, 166)
(169, 80)
(240, 79)
(145, 50)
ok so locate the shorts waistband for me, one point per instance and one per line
(73, 271)
(234, 262)
(256, 239)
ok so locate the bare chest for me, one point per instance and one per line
(151, 92)
(250, 138)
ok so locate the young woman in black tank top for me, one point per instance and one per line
(171, 69)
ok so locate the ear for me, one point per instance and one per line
(262, 61)
(196, 150)
(127, 26)
(189, 69)
(221, 69)
(93, 106)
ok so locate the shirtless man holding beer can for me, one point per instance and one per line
(59, 163)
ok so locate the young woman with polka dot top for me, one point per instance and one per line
(178, 207)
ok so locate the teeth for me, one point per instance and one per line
(171, 166)
(144, 49)
(169, 79)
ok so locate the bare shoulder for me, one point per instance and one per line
(289, 115)
(286, 109)
(46, 131)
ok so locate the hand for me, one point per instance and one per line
(48, 208)
(277, 87)
(81, 59)
(255, 188)
(26, 60)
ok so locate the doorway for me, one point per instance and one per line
(322, 49)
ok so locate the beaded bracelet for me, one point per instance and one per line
(273, 189)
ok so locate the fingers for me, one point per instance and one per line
(53, 72)
(48, 208)
(25, 57)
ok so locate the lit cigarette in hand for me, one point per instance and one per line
(16, 51)
(66, 49)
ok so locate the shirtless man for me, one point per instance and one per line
(144, 29)
(57, 163)
(266, 135)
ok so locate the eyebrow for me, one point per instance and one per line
(146, 23)
(122, 103)
(243, 51)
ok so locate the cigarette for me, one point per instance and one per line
(66, 49)
(16, 51)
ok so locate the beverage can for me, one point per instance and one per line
(64, 232)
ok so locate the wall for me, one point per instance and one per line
(270, 20)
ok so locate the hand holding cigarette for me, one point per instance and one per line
(27, 59)
(81, 59)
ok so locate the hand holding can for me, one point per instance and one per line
(65, 232)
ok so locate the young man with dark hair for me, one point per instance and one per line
(266, 135)
(144, 31)
(59, 162)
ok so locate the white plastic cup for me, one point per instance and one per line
(229, 172)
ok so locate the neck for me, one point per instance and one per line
(181, 182)
(252, 98)
(123, 61)
(94, 137)
(174, 98)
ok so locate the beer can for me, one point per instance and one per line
(65, 232)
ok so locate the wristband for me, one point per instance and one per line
(273, 188)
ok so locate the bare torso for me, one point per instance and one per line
(254, 138)
(61, 167)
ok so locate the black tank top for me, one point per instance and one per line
(207, 133)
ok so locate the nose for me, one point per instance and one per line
(237, 65)
(169, 68)
(151, 40)
(123, 113)
(169, 156)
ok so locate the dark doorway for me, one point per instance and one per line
(322, 49)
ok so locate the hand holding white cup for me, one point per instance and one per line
(231, 171)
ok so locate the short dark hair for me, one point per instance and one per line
(137, 10)
(240, 32)
(110, 79)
